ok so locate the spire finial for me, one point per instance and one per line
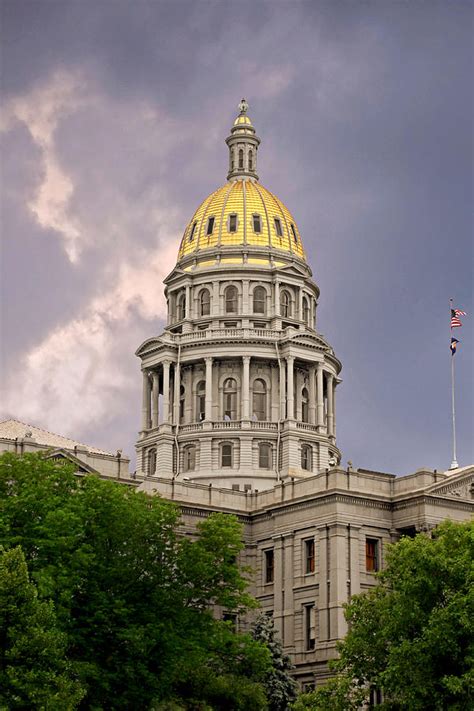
(243, 107)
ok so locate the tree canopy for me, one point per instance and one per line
(132, 594)
(411, 636)
(280, 686)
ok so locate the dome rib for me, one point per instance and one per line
(266, 215)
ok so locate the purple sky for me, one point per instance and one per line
(113, 126)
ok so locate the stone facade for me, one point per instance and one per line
(239, 416)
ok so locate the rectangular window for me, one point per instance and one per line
(257, 223)
(226, 455)
(309, 556)
(210, 226)
(235, 487)
(231, 618)
(269, 566)
(309, 627)
(233, 223)
(371, 555)
(278, 229)
(247, 487)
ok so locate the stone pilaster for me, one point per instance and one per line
(245, 387)
(290, 396)
(155, 399)
(208, 362)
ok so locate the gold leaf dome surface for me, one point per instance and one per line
(243, 199)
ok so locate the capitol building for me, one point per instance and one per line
(239, 415)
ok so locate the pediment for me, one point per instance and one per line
(457, 486)
(149, 345)
(294, 269)
(65, 457)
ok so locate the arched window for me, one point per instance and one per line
(201, 400)
(285, 304)
(151, 462)
(189, 458)
(205, 302)
(264, 455)
(304, 405)
(181, 307)
(230, 399)
(259, 300)
(241, 159)
(306, 315)
(231, 300)
(250, 160)
(259, 404)
(227, 455)
(182, 393)
(306, 457)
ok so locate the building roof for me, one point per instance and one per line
(11, 429)
(244, 198)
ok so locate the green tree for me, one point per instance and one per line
(280, 686)
(412, 635)
(34, 672)
(132, 595)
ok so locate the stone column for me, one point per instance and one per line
(282, 391)
(312, 394)
(166, 390)
(277, 298)
(208, 362)
(319, 395)
(245, 387)
(290, 397)
(177, 387)
(330, 393)
(146, 401)
(188, 302)
(155, 399)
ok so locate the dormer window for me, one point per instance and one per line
(210, 226)
(293, 231)
(278, 228)
(193, 230)
(233, 222)
(257, 223)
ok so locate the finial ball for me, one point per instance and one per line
(243, 106)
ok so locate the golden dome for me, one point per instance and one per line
(242, 213)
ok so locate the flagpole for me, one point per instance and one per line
(454, 464)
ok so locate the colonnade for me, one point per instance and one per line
(318, 414)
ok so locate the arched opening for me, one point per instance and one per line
(306, 311)
(151, 462)
(241, 159)
(181, 306)
(250, 160)
(231, 300)
(306, 457)
(182, 395)
(264, 455)
(259, 300)
(230, 399)
(205, 302)
(304, 405)
(259, 403)
(226, 455)
(201, 400)
(189, 458)
(285, 304)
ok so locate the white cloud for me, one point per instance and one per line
(77, 375)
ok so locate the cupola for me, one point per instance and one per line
(243, 145)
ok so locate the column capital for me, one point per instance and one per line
(208, 359)
(246, 358)
(289, 358)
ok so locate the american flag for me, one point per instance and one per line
(455, 320)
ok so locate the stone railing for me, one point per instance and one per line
(215, 333)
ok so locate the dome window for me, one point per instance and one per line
(233, 222)
(257, 223)
(259, 400)
(285, 304)
(278, 228)
(193, 230)
(181, 307)
(205, 302)
(201, 400)
(294, 233)
(250, 160)
(259, 300)
(307, 457)
(231, 300)
(241, 159)
(306, 311)
(230, 399)
(264, 455)
(210, 226)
